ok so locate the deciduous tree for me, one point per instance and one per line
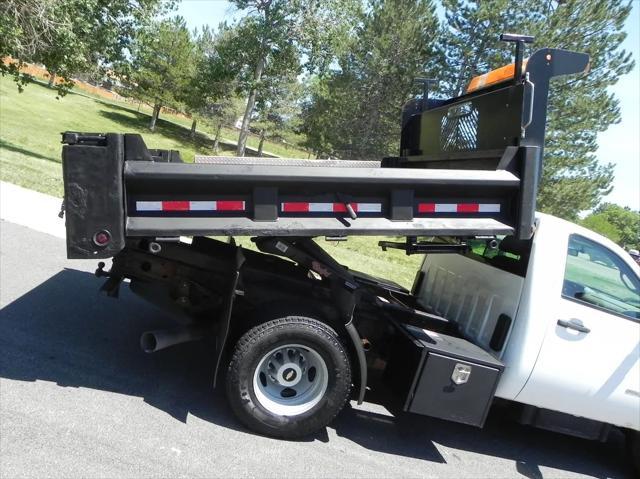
(280, 38)
(620, 224)
(161, 65)
(70, 36)
(277, 109)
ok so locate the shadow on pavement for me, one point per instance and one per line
(64, 331)
(417, 436)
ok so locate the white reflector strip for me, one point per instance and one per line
(320, 207)
(203, 205)
(489, 208)
(149, 205)
(446, 208)
(369, 207)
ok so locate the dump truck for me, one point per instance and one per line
(505, 307)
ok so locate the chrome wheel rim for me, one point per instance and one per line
(290, 380)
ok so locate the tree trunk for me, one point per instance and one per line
(154, 116)
(261, 144)
(192, 134)
(52, 79)
(216, 140)
(257, 75)
(251, 101)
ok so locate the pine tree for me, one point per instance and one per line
(354, 112)
(579, 107)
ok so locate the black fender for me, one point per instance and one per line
(360, 357)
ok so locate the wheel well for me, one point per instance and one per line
(291, 307)
(314, 309)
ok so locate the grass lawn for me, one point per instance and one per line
(30, 149)
(606, 279)
(228, 134)
(31, 123)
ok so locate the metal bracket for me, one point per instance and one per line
(519, 40)
(426, 84)
(412, 246)
(531, 85)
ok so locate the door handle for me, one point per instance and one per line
(574, 324)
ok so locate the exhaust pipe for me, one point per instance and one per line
(152, 341)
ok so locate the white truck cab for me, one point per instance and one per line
(562, 312)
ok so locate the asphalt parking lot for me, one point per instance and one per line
(78, 398)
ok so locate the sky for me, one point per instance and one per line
(620, 144)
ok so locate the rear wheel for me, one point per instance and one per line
(288, 377)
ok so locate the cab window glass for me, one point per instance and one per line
(598, 277)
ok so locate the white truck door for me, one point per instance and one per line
(588, 364)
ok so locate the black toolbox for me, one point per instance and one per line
(443, 376)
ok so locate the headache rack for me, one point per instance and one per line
(469, 166)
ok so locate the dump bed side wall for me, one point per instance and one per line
(474, 295)
(115, 186)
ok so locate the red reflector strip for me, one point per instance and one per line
(468, 207)
(342, 208)
(190, 205)
(291, 207)
(458, 208)
(230, 205)
(175, 206)
(426, 207)
(304, 207)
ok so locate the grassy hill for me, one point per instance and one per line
(30, 127)
(31, 123)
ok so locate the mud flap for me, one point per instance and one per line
(225, 319)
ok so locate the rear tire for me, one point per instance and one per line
(289, 377)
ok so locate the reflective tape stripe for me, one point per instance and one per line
(149, 205)
(190, 205)
(489, 208)
(203, 205)
(321, 207)
(304, 207)
(342, 208)
(446, 208)
(291, 207)
(458, 208)
(175, 206)
(370, 207)
(426, 208)
(230, 205)
(468, 207)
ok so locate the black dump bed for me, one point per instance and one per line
(469, 166)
